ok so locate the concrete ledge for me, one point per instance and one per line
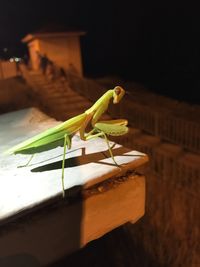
(50, 234)
(37, 225)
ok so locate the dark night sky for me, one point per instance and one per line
(153, 42)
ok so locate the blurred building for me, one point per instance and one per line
(63, 48)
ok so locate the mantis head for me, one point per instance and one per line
(118, 93)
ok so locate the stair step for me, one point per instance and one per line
(67, 100)
(65, 106)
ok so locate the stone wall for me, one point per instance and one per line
(7, 69)
(15, 94)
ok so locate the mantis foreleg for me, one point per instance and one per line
(112, 127)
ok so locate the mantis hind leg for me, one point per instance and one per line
(27, 162)
(63, 164)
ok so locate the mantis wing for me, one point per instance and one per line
(50, 138)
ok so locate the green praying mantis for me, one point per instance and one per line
(61, 135)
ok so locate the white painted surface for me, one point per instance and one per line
(23, 188)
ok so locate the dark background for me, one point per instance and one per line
(156, 43)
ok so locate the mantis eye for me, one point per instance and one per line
(118, 90)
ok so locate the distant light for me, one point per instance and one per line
(5, 49)
(11, 59)
(17, 59)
